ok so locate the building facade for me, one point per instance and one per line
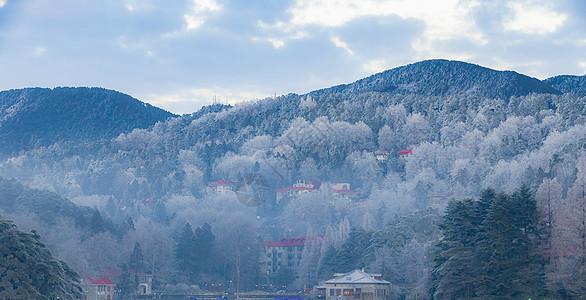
(221, 186)
(286, 253)
(98, 289)
(357, 285)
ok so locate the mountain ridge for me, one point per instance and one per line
(39, 117)
(440, 77)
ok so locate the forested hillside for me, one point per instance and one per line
(405, 141)
(445, 78)
(37, 117)
(569, 84)
(29, 271)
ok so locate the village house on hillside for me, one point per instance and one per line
(340, 190)
(98, 289)
(221, 186)
(355, 285)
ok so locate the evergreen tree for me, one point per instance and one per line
(136, 262)
(96, 223)
(186, 249)
(204, 244)
(456, 268)
(511, 269)
(126, 284)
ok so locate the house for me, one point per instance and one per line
(98, 289)
(357, 285)
(145, 283)
(339, 190)
(284, 253)
(298, 188)
(221, 186)
(406, 152)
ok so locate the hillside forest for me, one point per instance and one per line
(463, 183)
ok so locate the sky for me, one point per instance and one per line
(182, 54)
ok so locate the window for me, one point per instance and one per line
(347, 292)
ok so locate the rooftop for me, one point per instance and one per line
(221, 182)
(290, 242)
(358, 277)
(103, 280)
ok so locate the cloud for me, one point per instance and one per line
(39, 51)
(583, 65)
(531, 17)
(200, 9)
(2, 3)
(340, 44)
(449, 19)
(375, 66)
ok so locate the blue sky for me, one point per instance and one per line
(180, 54)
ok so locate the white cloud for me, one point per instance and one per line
(341, 44)
(375, 66)
(39, 51)
(199, 11)
(2, 3)
(582, 64)
(444, 20)
(531, 17)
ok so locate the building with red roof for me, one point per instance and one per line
(221, 186)
(298, 188)
(98, 289)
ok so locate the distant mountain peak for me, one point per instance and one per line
(38, 117)
(441, 77)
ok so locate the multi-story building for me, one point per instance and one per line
(284, 253)
(98, 289)
(357, 285)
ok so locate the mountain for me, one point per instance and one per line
(569, 84)
(38, 117)
(441, 77)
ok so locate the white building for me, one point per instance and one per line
(357, 285)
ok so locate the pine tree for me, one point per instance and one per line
(136, 261)
(97, 223)
(185, 254)
(509, 269)
(455, 274)
(204, 244)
